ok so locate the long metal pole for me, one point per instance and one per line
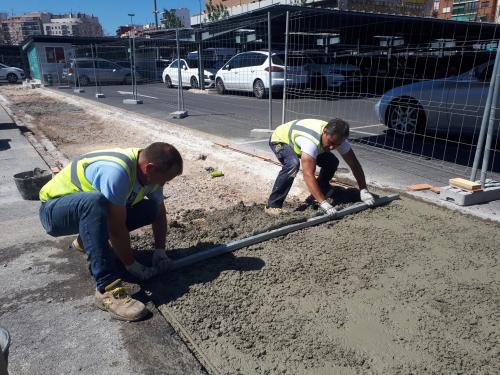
(156, 14)
(492, 120)
(97, 90)
(285, 75)
(201, 75)
(232, 246)
(486, 116)
(180, 101)
(134, 78)
(130, 54)
(270, 71)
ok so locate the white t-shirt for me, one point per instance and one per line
(307, 146)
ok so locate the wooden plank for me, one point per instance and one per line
(462, 183)
(419, 187)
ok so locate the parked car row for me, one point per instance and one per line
(249, 72)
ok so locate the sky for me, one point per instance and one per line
(111, 13)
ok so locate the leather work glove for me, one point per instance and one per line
(327, 208)
(161, 261)
(140, 271)
(367, 197)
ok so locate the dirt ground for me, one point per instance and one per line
(408, 288)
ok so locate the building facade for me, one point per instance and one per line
(18, 28)
(78, 24)
(466, 10)
(184, 16)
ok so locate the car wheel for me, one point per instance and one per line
(168, 82)
(12, 78)
(259, 90)
(127, 80)
(219, 84)
(194, 83)
(84, 80)
(406, 117)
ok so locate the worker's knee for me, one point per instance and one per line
(292, 167)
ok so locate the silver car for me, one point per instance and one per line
(87, 70)
(11, 74)
(451, 105)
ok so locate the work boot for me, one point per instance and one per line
(273, 211)
(77, 244)
(117, 301)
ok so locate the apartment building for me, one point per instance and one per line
(74, 24)
(17, 28)
(466, 10)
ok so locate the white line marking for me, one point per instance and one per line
(131, 93)
(367, 126)
(360, 132)
(249, 142)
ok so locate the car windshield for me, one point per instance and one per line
(3, 66)
(208, 63)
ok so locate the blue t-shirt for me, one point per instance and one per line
(112, 181)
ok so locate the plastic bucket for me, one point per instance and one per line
(4, 350)
(29, 183)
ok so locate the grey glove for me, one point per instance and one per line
(141, 272)
(327, 208)
(161, 261)
(367, 197)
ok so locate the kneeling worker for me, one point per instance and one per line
(311, 142)
(100, 196)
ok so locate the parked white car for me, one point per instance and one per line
(11, 74)
(189, 74)
(249, 72)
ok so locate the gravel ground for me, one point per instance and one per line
(404, 289)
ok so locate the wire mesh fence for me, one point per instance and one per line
(412, 89)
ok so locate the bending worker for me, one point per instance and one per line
(101, 196)
(311, 142)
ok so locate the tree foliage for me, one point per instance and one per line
(170, 20)
(216, 11)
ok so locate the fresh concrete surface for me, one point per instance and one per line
(47, 295)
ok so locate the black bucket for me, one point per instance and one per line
(29, 183)
(4, 350)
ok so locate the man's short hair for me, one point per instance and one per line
(337, 127)
(164, 156)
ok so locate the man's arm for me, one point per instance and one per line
(356, 169)
(308, 171)
(119, 234)
(160, 228)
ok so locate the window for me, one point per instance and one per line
(54, 54)
(236, 62)
(105, 65)
(175, 64)
(446, 10)
(84, 64)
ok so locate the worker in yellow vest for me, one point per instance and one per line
(102, 196)
(311, 142)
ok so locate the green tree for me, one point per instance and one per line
(216, 11)
(170, 20)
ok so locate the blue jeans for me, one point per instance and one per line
(291, 165)
(86, 213)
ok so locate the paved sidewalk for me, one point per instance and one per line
(47, 295)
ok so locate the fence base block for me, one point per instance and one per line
(99, 95)
(78, 91)
(491, 192)
(179, 114)
(132, 101)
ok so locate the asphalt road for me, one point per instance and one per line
(234, 116)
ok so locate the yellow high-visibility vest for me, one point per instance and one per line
(309, 128)
(71, 179)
